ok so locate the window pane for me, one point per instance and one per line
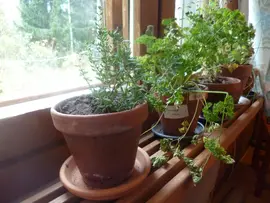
(184, 6)
(42, 43)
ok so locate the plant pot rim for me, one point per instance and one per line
(236, 81)
(245, 65)
(59, 114)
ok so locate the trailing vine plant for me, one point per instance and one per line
(168, 68)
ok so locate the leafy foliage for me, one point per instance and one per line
(168, 65)
(110, 58)
(167, 146)
(214, 113)
(159, 161)
(48, 20)
(222, 36)
(212, 144)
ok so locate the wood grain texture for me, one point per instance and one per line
(146, 13)
(50, 192)
(231, 4)
(125, 15)
(113, 14)
(167, 10)
(27, 175)
(23, 134)
(181, 187)
(160, 177)
(66, 198)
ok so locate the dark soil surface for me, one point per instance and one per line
(217, 81)
(82, 105)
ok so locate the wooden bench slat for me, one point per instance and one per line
(152, 147)
(66, 198)
(178, 181)
(145, 140)
(47, 194)
(155, 181)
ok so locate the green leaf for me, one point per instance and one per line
(165, 145)
(219, 152)
(159, 161)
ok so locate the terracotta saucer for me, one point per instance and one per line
(72, 179)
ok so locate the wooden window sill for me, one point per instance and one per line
(172, 182)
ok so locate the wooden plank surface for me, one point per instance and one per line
(125, 16)
(22, 178)
(160, 177)
(66, 198)
(46, 195)
(167, 10)
(113, 14)
(146, 13)
(163, 183)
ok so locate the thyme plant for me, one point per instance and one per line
(110, 58)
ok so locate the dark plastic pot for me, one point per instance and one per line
(232, 85)
(104, 146)
(172, 118)
(243, 73)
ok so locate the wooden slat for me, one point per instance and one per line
(152, 147)
(66, 198)
(47, 194)
(125, 14)
(231, 4)
(146, 13)
(28, 175)
(241, 123)
(42, 96)
(113, 14)
(160, 177)
(167, 10)
(25, 135)
(145, 140)
(173, 190)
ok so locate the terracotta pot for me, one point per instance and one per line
(243, 73)
(233, 86)
(104, 146)
(173, 117)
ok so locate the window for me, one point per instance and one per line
(41, 45)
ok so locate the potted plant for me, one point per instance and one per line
(168, 68)
(208, 34)
(102, 129)
(236, 37)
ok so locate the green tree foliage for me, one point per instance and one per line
(49, 20)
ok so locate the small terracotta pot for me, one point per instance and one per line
(243, 73)
(233, 86)
(104, 146)
(172, 118)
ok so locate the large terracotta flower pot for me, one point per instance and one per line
(173, 116)
(104, 146)
(225, 84)
(242, 72)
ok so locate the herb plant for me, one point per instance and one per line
(110, 58)
(168, 66)
(222, 36)
(219, 111)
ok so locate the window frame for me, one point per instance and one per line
(149, 12)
